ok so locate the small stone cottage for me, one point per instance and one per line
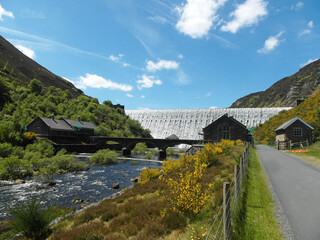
(225, 127)
(295, 130)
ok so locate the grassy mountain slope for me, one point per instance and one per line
(309, 111)
(24, 69)
(286, 91)
(28, 90)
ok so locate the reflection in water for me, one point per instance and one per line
(91, 186)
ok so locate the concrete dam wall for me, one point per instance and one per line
(188, 123)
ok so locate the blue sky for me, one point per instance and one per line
(162, 54)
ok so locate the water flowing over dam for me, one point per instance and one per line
(188, 123)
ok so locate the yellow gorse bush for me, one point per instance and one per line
(30, 135)
(211, 154)
(239, 142)
(187, 195)
(148, 174)
(226, 145)
(171, 165)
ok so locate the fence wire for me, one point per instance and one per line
(232, 202)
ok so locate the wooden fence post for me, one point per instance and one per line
(236, 182)
(290, 144)
(226, 211)
(240, 171)
(307, 143)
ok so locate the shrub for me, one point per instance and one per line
(211, 154)
(148, 174)
(6, 149)
(32, 221)
(187, 195)
(13, 168)
(226, 146)
(68, 163)
(174, 220)
(30, 135)
(170, 151)
(109, 213)
(45, 148)
(239, 142)
(104, 156)
(171, 165)
(140, 148)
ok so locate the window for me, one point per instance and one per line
(297, 132)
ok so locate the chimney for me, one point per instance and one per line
(78, 118)
(52, 116)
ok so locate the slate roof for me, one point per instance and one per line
(67, 124)
(291, 121)
(57, 124)
(231, 118)
(83, 124)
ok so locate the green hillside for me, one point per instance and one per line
(20, 105)
(309, 111)
(23, 69)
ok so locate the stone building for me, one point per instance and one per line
(62, 130)
(295, 130)
(225, 127)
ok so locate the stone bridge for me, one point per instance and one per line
(127, 144)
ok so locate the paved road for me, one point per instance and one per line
(298, 188)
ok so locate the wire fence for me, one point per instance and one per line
(224, 221)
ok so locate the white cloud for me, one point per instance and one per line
(148, 82)
(125, 64)
(208, 94)
(180, 56)
(3, 12)
(26, 51)
(129, 95)
(298, 6)
(182, 78)
(271, 43)
(197, 17)
(95, 81)
(308, 62)
(114, 58)
(307, 31)
(142, 108)
(161, 64)
(213, 107)
(142, 96)
(158, 19)
(247, 14)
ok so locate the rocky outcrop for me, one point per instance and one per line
(286, 91)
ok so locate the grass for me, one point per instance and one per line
(256, 216)
(137, 213)
(313, 156)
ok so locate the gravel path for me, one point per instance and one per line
(296, 188)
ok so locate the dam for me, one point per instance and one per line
(188, 123)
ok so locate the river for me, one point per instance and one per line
(90, 186)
